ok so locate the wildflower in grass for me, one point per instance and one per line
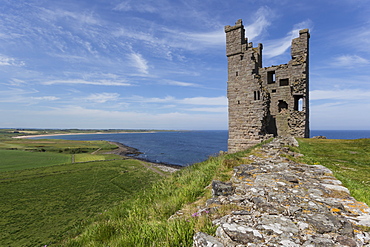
(195, 214)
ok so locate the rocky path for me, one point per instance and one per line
(282, 203)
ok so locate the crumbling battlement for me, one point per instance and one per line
(265, 102)
(277, 202)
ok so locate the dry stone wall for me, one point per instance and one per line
(282, 203)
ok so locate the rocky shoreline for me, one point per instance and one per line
(132, 153)
(283, 203)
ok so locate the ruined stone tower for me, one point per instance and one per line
(265, 102)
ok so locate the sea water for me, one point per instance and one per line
(188, 147)
(174, 147)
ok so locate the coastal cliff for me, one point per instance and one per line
(282, 203)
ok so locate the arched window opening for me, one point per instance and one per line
(298, 102)
(282, 105)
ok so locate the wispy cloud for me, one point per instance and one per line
(46, 98)
(222, 100)
(143, 7)
(98, 83)
(82, 117)
(141, 99)
(209, 109)
(343, 94)
(209, 101)
(350, 61)
(273, 48)
(262, 21)
(139, 62)
(208, 38)
(83, 17)
(9, 61)
(102, 97)
(180, 83)
(17, 82)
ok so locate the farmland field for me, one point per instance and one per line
(39, 205)
(17, 160)
(50, 188)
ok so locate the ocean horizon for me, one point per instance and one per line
(184, 148)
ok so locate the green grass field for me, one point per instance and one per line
(18, 160)
(38, 206)
(121, 203)
(54, 145)
(46, 197)
(348, 159)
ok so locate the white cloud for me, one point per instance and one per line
(180, 83)
(123, 6)
(151, 100)
(211, 38)
(273, 48)
(340, 115)
(209, 109)
(80, 117)
(139, 62)
(137, 6)
(47, 98)
(261, 22)
(98, 83)
(80, 17)
(344, 94)
(210, 101)
(9, 61)
(17, 82)
(222, 100)
(102, 97)
(350, 61)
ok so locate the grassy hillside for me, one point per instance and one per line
(18, 154)
(144, 220)
(45, 196)
(348, 159)
(39, 205)
(18, 160)
(119, 203)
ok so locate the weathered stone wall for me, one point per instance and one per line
(265, 102)
(282, 203)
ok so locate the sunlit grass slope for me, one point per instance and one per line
(18, 160)
(38, 206)
(348, 159)
(144, 221)
(18, 154)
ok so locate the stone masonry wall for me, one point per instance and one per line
(265, 102)
(282, 203)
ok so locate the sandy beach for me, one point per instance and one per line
(93, 133)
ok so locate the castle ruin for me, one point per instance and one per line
(265, 102)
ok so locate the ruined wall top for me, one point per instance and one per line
(238, 24)
(278, 202)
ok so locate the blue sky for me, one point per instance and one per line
(162, 65)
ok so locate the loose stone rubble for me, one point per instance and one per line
(282, 203)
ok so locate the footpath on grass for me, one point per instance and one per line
(282, 203)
